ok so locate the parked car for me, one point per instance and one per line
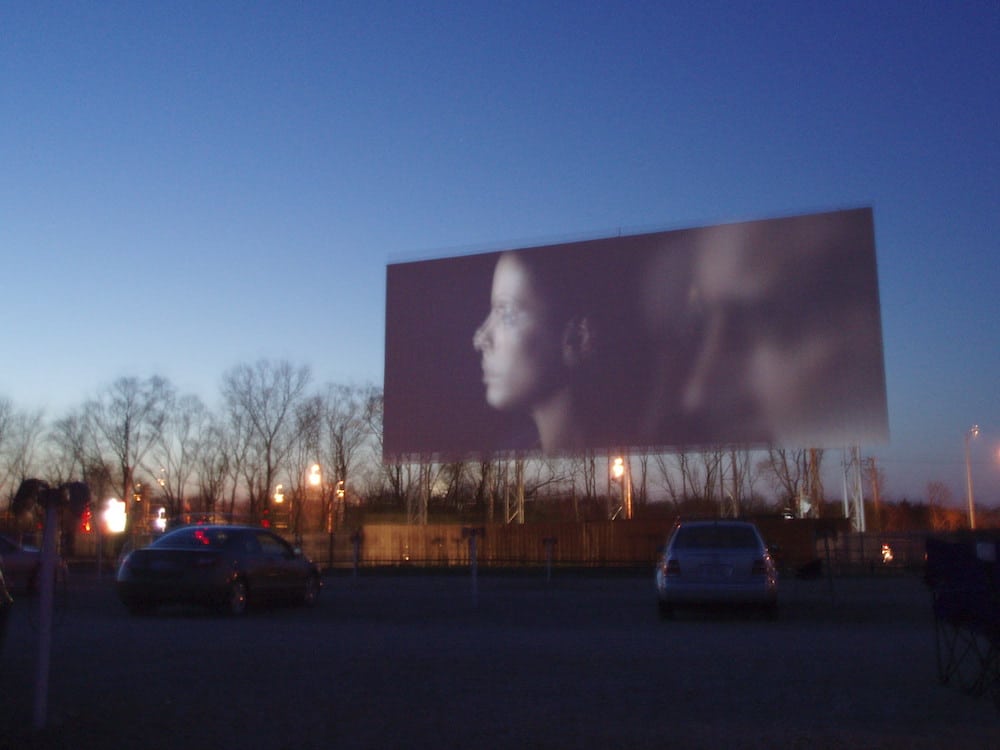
(22, 564)
(6, 602)
(229, 567)
(717, 562)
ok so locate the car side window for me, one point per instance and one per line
(272, 546)
(250, 544)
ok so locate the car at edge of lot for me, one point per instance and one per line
(229, 567)
(22, 563)
(715, 563)
(6, 602)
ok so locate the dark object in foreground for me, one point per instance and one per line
(964, 579)
(5, 606)
(228, 567)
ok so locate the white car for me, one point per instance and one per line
(716, 562)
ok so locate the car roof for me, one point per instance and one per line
(219, 527)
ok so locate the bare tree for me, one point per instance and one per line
(68, 454)
(671, 476)
(939, 497)
(6, 411)
(738, 486)
(126, 420)
(212, 464)
(789, 471)
(394, 477)
(75, 454)
(347, 427)
(486, 489)
(641, 482)
(6, 485)
(263, 397)
(304, 452)
(174, 457)
(875, 477)
(693, 478)
(236, 439)
(20, 434)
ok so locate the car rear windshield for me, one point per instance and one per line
(195, 538)
(716, 537)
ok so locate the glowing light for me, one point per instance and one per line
(160, 522)
(114, 516)
(886, 554)
(279, 494)
(618, 468)
(315, 477)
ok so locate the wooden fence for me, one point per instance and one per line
(636, 543)
(590, 544)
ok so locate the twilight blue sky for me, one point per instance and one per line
(188, 186)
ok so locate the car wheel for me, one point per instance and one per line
(313, 588)
(236, 599)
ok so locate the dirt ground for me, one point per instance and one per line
(498, 661)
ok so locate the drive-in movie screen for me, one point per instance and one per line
(752, 333)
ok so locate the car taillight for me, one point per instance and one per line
(673, 567)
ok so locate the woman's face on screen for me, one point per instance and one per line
(519, 343)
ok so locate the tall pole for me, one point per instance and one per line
(971, 433)
(45, 598)
(627, 488)
(872, 467)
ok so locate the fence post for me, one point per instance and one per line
(550, 543)
(472, 533)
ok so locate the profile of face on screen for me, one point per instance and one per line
(536, 346)
(753, 333)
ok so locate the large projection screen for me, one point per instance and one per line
(754, 333)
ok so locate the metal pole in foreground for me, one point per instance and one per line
(973, 432)
(45, 598)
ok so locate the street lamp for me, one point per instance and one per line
(115, 517)
(620, 473)
(971, 433)
(618, 469)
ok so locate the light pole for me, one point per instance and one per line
(278, 519)
(620, 473)
(970, 433)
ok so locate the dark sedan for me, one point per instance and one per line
(229, 567)
(21, 564)
(5, 604)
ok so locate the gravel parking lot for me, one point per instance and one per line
(505, 661)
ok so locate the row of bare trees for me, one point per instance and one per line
(142, 441)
